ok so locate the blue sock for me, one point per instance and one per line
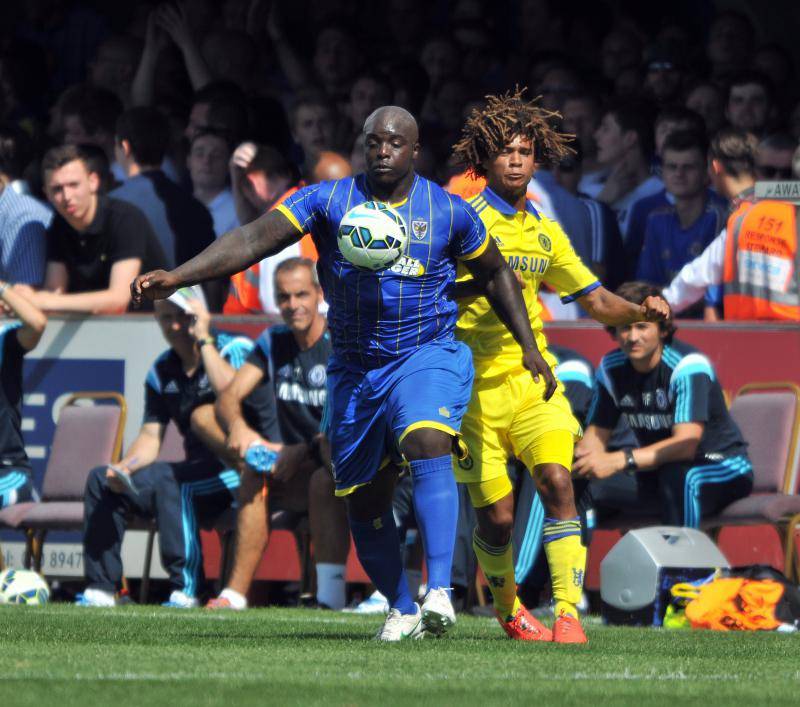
(378, 547)
(436, 508)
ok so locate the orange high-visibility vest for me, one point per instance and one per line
(761, 275)
(244, 290)
(465, 185)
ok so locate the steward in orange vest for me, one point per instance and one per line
(244, 292)
(761, 275)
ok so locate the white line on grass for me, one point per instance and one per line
(624, 676)
(189, 615)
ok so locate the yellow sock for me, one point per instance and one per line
(497, 564)
(566, 556)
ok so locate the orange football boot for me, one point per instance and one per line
(567, 629)
(523, 626)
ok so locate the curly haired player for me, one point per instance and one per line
(508, 414)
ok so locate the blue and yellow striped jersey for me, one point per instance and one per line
(537, 249)
(375, 317)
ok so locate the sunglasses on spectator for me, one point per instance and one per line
(769, 172)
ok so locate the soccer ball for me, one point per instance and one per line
(23, 587)
(372, 236)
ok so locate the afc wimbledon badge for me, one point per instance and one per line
(419, 229)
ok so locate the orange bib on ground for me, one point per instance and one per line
(736, 604)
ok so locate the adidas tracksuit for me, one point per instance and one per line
(181, 496)
(15, 468)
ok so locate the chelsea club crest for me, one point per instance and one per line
(544, 241)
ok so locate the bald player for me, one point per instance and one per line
(398, 381)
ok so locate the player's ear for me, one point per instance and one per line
(415, 150)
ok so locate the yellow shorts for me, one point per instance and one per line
(556, 445)
(508, 417)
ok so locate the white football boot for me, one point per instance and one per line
(399, 627)
(438, 614)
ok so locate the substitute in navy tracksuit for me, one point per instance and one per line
(181, 387)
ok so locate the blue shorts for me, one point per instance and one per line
(372, 411)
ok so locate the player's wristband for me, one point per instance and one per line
(630, 461)
(207, 340)
(3, 287)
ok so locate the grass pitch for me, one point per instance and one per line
(65, 655)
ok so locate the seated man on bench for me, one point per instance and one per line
(292, 360)
(181, 386)
(690, 460)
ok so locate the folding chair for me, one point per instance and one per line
(86, 436)
(768, 415)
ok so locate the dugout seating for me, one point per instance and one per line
(86, 436)
(769, 416)
(762, 528)
(224, 526)
(287, 557)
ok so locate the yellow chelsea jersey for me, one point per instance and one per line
(539, 251)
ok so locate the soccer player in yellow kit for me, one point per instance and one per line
(508, 414)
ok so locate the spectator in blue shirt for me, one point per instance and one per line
(181, 223)
(680, 231)
(669, 120)
(23, 220)
(606, 259)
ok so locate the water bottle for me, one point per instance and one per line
(260, 458)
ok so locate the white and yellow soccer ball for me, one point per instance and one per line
(23, 587)
(372, 236)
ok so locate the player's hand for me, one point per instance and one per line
(241, 436)
(156, 284)
(520, 280)
(291, 458)
(533, 361)
(113, 483)
(201, 327)
(598, 464)
(655, 309)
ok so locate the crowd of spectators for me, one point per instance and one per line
(201, 115)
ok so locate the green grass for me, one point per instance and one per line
(145, 656)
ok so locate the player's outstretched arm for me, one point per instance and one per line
(497, 281)
(609, 309)
(231, 253)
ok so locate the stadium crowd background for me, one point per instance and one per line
(260, 73)
(236, 102)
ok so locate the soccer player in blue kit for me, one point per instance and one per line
(398, 381)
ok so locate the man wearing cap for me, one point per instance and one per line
(181, 387)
